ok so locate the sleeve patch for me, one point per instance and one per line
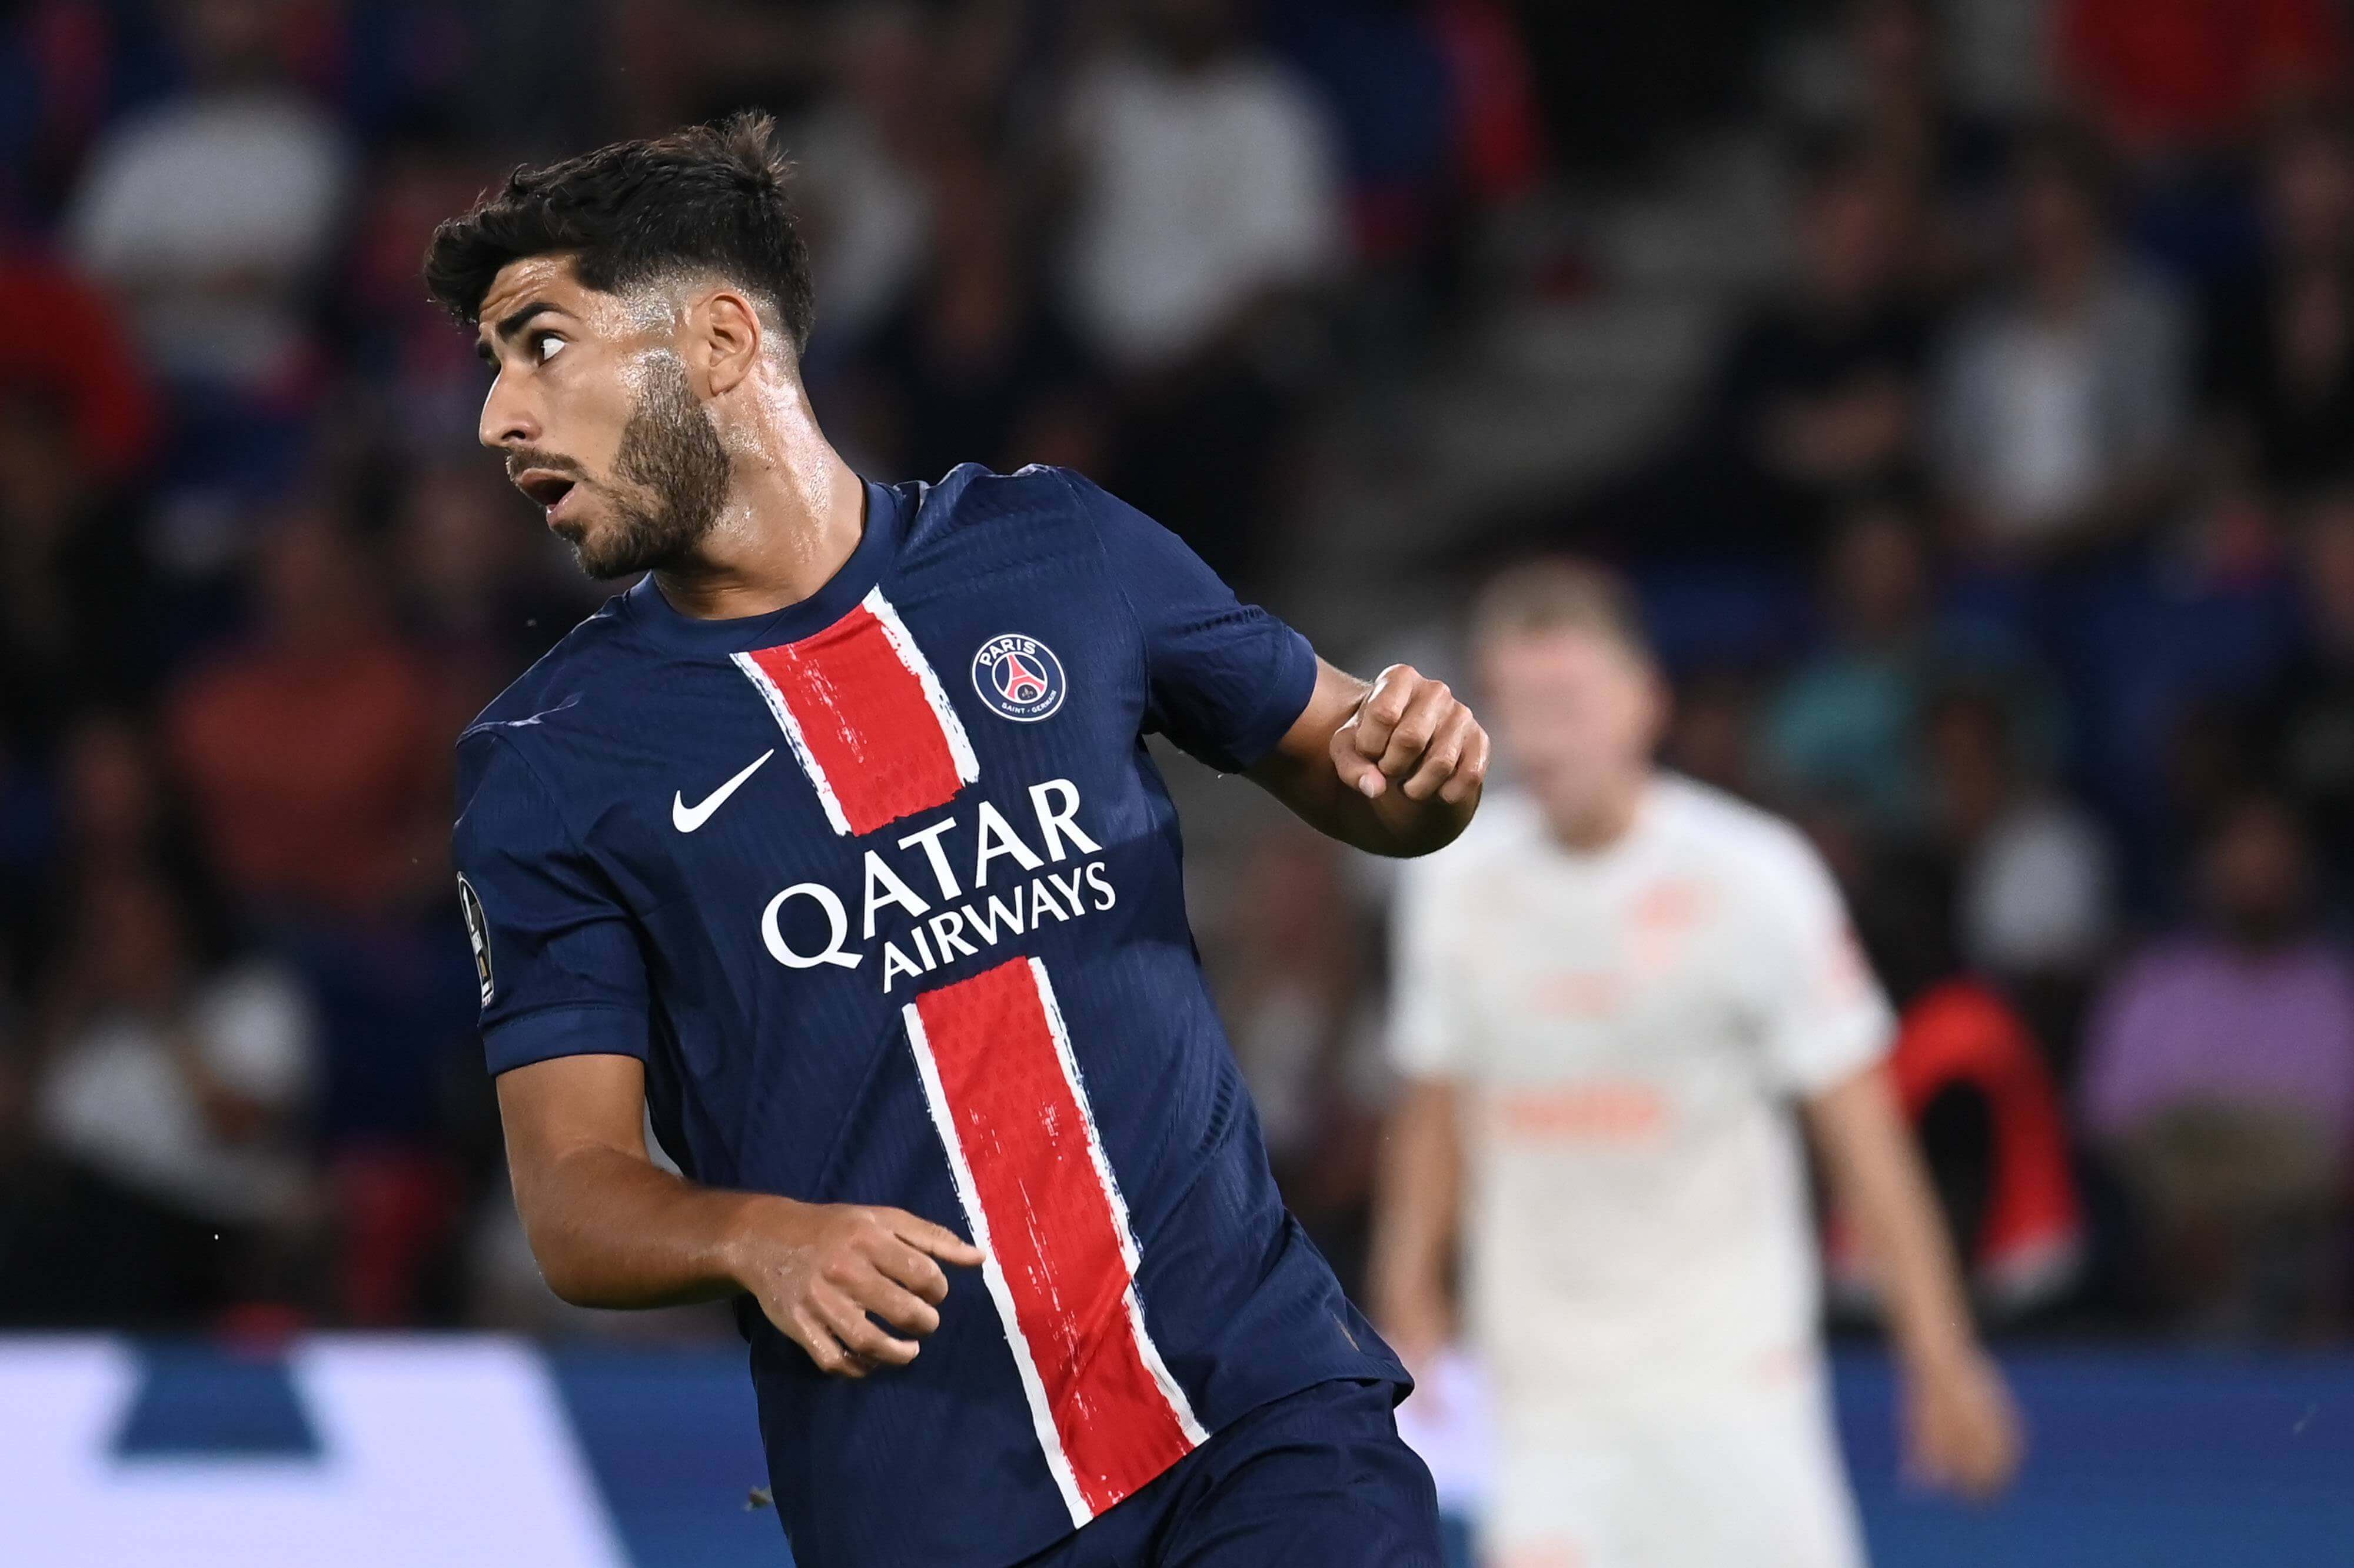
(478, 933)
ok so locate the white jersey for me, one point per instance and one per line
(1628, 1029)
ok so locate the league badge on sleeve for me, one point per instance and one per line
(1019, 677)
(478, 932)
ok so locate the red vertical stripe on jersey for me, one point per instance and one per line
(1029, 1163)
(866, 720)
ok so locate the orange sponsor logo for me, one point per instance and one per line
(1592, 993)
(1554, 1553)
(1607, 1113)
(1671, 905)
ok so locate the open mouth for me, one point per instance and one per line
(545, 487)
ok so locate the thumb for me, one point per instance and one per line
(1359, 772)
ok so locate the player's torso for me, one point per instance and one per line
(1634, 1174)
(1617, 993)
(814, 822)
(908, 893)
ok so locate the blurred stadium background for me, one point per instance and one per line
(1969, 385)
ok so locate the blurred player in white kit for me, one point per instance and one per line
(1611, 995)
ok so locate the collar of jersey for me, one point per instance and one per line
(655, 616)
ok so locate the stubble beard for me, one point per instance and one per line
(671, 453)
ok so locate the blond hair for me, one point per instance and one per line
(1561, 594)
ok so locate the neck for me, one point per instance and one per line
(1605, 818)
(794, 513)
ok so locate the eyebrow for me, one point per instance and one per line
(514, 323)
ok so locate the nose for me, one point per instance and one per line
(508, 417)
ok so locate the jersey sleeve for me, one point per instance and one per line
(1226, 678)
(557, 957)
(1825, 1018)
(1431, 1007)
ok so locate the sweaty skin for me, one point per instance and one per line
(1393, 765)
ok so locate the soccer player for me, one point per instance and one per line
(1609, 996)
(834, 845)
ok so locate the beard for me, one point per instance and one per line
(669, 451)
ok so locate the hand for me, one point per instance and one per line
(1961, 1429)
(1410, 727)
(820, 1269)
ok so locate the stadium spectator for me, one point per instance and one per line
(179, 1083)
(477, 600)
(1887, 80)
(312, 750)
(2305, 721)
(397, 342)
(2278, 359)
(2063, 394)
(865, 162)
(2036, 897)
(77, 605)
(2219, 1080)
(1974, 1083)
(1206, 207)
(2173, 79)
(63, 339)
(1844, 730)
(212, 213)
(1812, 402)
(118, 813)
(973, 365)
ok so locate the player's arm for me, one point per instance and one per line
(1417, 1193)
(1393, 766)
(1962, 1430)
(610, 1228)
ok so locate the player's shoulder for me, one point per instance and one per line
(560, 682)
(1736, 837)
(972, 501)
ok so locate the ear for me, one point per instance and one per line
(724, 340)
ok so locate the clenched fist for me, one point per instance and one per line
(824, 1272)
(1413, 731)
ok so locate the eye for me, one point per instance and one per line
(547, 346)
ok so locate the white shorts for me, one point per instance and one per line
(1749, 1477)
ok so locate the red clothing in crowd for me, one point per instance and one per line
(2182, 75)
(318, 775)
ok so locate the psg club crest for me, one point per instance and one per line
(1019, 677)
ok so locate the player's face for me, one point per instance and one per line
(1575, 714)
(599, 423)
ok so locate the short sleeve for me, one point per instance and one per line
(1430, 993)
(1825, 1018)
(555, 956)
(1227, 679)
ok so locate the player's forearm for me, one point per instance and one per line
(1392, 767)
(1875, 1171)
(1420, 1183)
(612, 1230)
(1394, 825)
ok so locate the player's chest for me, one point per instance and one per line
(1645, 974)
(949, 734)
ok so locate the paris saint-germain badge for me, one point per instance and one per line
(1019, 677)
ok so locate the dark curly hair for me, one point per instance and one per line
(704, 199)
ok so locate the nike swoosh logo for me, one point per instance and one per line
(686, 817)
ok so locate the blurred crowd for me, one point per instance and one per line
(2008, 545)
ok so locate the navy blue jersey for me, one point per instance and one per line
(885, 891)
